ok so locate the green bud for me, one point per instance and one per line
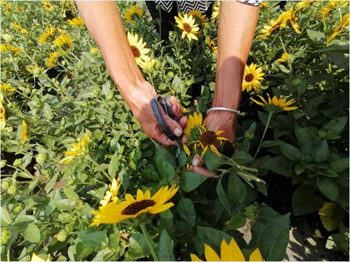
(96, 91)
(27, 90)
(5, 184)
(249, 135)
(158, 7)
(18, 162)
(188, 82)
(62, 235)
(17, 208)
(252, 212)
(3, 163)
(64, 218)
(40, 158)
(5, 235)
(296, 82)
(12, 190)
(110, 96)
(85, 104)
(34, 91)
(322, 133)
(170, 74)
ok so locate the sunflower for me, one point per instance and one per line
(148, 65)
(24, 133)
(114, 213)
(14, 50)
(132, 13)
(7, 88)
(47, 5)
(185, 110)
(186, 149)
(50, 31)
(138, 48)
(112, 194)
(303, 4)
(33, 69)
(216, 11)
(293, 21)
(209, 139)
(264, 4)
(64, 41)
(3, 115)
(93, 50)
(211, 44)
(187, 24)
(228, 252)
(343, 23)
(199, 17)
(76, 149)
(274, 25)
(36, 258)
(20, 29)
(195, 121)
(77, 21)
(53, 56)
(252, 77)
(275, 104)
(285, 57)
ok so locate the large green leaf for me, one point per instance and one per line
(190, 181)
(32, 233)
(304, 201)
(97, 240)
(236, 221)
(165, 248)
(223, 196)
(138, 247)
(315, 35)
(280, 165)
(321, 151)
(185, 209)
(113, 165)
(335, 126)
(165, 163)
(236, 189)
(328, 187)
(5, 217)
(331, 215)
(242, 157)
(290, 151)
(340, 165)
(305, 140)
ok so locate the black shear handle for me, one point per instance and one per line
(166, 106)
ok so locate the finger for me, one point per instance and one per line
(184, 140)
(164, 140)
(177, 111)
(183, 121)
(202, 171)
(197, 161)
(173, 125)
(174, 101)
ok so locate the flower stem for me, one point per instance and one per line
(149, 242)
(99, 167)
(263, 136)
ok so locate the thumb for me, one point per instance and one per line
(173, 125)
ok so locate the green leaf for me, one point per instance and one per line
(52, 182)
(236, 221)
(271, 234)
(331, 216)
(162, 158)
(328, 187)
(237, 191)
(190, 181)
(70, 194)
(271, 143)
(338, 241)
(321, 151)
(305, 140)
(242, 157)
(177, 85)
(113, 165)
(138, 247)
(341, 48)
(223, 197)
(340, 165)
(5, 217)
(165, 248)
(304, 201)
(290, 151)
(335, 126)
(82, 250)
(32, 233)
(182, 159)
(185, 209)
(281, 165)
(315, 35)
(64, 204)
(212, 160)
(97, 240)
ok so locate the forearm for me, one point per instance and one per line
(237, 23)
(104, 23)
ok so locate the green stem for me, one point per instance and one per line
(263, 136)
(21, 169)
(323, 19)
(149, 242)
(99, 167)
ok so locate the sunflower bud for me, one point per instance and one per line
(18, 162)
(3, 163)
(62, 235)
(252, 212)
(5, 184)
(5, 235)
(40, 158)
(17, 208)
(249, 135)
(322, 133)
(12, 190)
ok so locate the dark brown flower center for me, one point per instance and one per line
(187, 28)
(135, 51)
(137, 206)
(249, 78)
(209, 138)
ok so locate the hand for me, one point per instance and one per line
(217, 121)
(139, 99)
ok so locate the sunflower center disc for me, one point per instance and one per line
(249, 78)
(136, 207)
(209, 138)
(187, 28)
(135, 51)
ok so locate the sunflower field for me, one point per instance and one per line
(81, 181)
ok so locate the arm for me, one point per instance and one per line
(104, 23)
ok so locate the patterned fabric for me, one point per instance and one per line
(201, 5)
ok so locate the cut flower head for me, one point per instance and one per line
(188, 26)
(194, 122)
(209, 140)
(275, 105)
(114, 213)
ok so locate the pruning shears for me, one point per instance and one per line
(166, 106)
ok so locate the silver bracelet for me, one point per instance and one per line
(224, 109)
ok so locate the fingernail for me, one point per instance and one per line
(178, 132)
(195, 162)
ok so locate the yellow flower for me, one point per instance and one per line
(50, 31)
(36, 258)
(77, 21)
(274, 25)
(194, 121)
(114, 213)
(186, 149)
(275, 104)
(328, 9)
(47, 5)
(216, 11)
(19, 9)
(93, 50)
(211, 44)
(14, 50)
(343, 23)
(228, 252)
(252, 77)
(199, 17)
(148, 65)
(303, 4)
(76, 149)
(209, 139)
(285, 57)
(24, 133)
(293, 20)
(3, 115)
(20, 29)
(63, 41)
(264, 4)
(33, 69)
(185, 110)
(132, 12)
(7, 88)
(187, 24)
(112, 194)
(52, 59)
(138, 48)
